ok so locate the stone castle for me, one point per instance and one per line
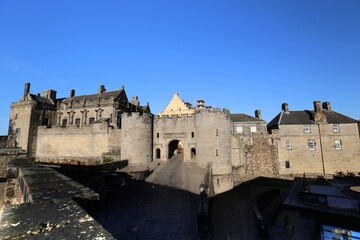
(106, 126)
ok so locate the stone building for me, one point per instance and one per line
(320, 141)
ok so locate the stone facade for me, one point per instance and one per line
(316, 142)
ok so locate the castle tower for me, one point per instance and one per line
(136, 137)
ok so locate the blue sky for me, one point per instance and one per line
(241, 55)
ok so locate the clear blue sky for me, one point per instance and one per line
(241, 55)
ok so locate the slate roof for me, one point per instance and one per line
(41, 99)
(242, 117)
(307, 116)
(96, 96)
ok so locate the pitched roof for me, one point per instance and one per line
(41, 99)
(307, 116)
(96, 96)
(242, 117)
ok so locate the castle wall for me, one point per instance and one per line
(261, 127)
(136, 135)
(302, 159)
(254, 156)
(175, 127)
(72, 144)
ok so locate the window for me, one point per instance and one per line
(192, 134)
(217, 132)
(239, 130)
(287, 164)
(217, 152)
(157, 135)
(18, 131)
(77, 121)
(307, 128)
(338, 144)
(16, 116)
(311, 145)
(64, 122)
(253, 129)
(158, 153)
(288, 145)
(91, 120)
(336, 127)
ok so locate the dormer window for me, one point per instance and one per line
(336, 127)
(307, 128)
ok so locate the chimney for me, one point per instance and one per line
(258, 113)
(51, 94)
(101, 89)
(72, 93)
(285, 107)
(326, 106)
(317, 106)
(135, 101)
(27, 89)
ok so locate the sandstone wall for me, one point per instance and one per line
(72, 144)
(302, 159)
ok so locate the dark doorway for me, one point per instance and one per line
(175, 147)
(158, 153)
(193, 153)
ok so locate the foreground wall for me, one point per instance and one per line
(72, 144)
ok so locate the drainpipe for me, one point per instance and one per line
(321, 149)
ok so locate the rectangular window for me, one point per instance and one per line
(239, 130)
(336, 127)
(110, 118)
(77, 121)
(253, 129)
(64, 122)
(157, 135)
(91, 120)
(217, 152)
(288, 145)
(338, 144)
(18, 131)
(311, 145)
(287, 164)
(307, 128)
(192, 134)
(217, 132)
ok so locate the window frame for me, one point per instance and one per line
(307, 128)
(287, 164)
(339, 144)
(251, 129)
(288, 145)
(240, 132)
(337, 128)
(314, 146)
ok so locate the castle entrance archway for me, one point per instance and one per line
(175, 147)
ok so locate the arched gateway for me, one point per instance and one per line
(175, 147)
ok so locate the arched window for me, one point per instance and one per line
(158, 153)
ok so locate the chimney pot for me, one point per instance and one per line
(285, 107)
(258, 113)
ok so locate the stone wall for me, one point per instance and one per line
(303, 160)
(3, 141)
(254, 156)
(72, 144)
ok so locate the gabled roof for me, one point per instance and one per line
(96, 96)
(242, 117)
(307, 117)
(41, 99)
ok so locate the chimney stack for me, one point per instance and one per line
(72, 93)
(258, 113)
(285, 107)
(326, 106)
(317, 106)
(135, 101)
(101, 89)
(27, 89)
